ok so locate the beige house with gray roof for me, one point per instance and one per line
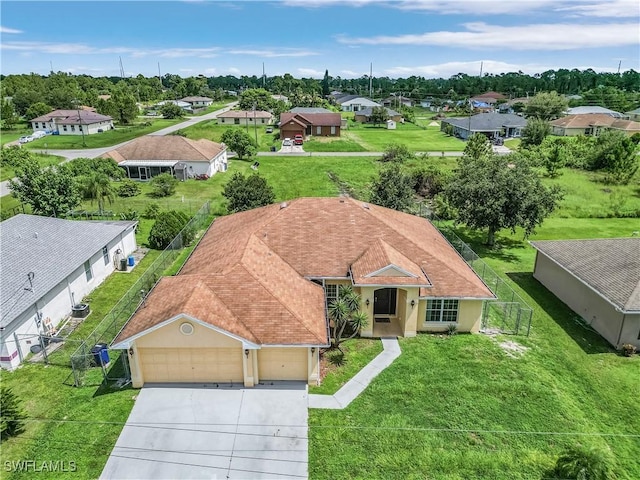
(599, 280)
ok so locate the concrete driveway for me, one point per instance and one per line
(228, 432)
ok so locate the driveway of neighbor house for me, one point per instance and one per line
(206, 432)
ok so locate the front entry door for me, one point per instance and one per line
(144, 173)
(384, 301)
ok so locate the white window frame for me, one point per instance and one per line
(87, 270)
(333, 130)
(443, 309)
(331, 296)
(318, 130)
(105, 255)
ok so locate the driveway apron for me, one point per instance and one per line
(189, 432)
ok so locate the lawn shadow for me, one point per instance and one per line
(588, 339)
(115, 381)
(500, 251)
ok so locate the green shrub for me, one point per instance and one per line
(164, 185)
(335, 358)
(396, 152)
(11, 414)
(86, 167)
(129, 215)
(151, 212)
(129, 188)
(166, 227)
(581, 463)
(428, 181)
(14, 156)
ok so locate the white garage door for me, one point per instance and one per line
(282, 364)
(171, 365)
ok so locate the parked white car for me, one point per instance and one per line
(26, 139)
(39, 134)
(287, 142)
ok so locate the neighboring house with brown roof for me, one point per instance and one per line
(72, 122)
(591, 124)
(488, 97)
(319, 124)
(198, 102)
(245, 117)
(152, 155)
(250, 304)
(598, 279)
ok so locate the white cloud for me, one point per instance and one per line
(287, 52)
(596, 8)
(234, 71)
(352, 74)
(210, 71)
(9, 30)
(522, 37)
(310, 73)
(495, 67)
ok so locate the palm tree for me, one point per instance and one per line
(345, 312)
(97, 186)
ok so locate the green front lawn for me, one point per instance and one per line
(438, 410)
(332, 144)
(375, 139)
(105, 139)
(13, 134)
(211, 130)
(211, 108)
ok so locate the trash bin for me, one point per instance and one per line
(123, 264)
(131, 261)
(100, 354)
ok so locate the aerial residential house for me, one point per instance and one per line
(634, 115)
(491, 98)
(592, 124)
(593, 110)
(492, 125)
(198, 102)
(353, 103)
(319, 124)
(250, 304)
(186, 106)
(149, 156)
(396, 101)
(48, 265)
(364, 115)
(245, 117)
(72, 122)
(599, 279)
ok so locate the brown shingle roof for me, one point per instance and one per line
(244, 114)
(73, 117)
(166, 147)
(313, 119)
(379, 256)
(610, 266)
(586, 120)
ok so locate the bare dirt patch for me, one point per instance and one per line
(511, 348)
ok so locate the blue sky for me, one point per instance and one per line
(430, 38)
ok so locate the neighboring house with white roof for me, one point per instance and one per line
(589, 109)
(245, 117)
(354, 103)
(149, 156)
(48, 265)
(186, 106)
(72, 122)
(634, 115)
(198, 102)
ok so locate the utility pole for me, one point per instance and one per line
(371, 81)
(255, 125)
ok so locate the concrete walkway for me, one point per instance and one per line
(354, 387)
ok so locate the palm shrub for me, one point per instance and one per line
(11, 414)
(346, 317)
(582, 463)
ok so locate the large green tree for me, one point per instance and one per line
(393, 188)
(171, 110)
(379, 115)
(257, 98)
(122, 104)
(245, 193)
(478, 147)
(492, 193)
(8, 114)
(617, 155)
(36, 110)
(240, 142)
(535, 132)
(546, 106)
(51, 192)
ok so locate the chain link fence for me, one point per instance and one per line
(508, 313)
(89, 352)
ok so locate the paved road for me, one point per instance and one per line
(96, 152)
(228, 432)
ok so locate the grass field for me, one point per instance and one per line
(43, 160)
(15, 133)
(375, 139)
(211, 130)
(97, 140)
(437, 411)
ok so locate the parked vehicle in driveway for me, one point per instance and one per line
(26, 139)
(298, 140)
(269, 130)
(38, 134)
(287, 142)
